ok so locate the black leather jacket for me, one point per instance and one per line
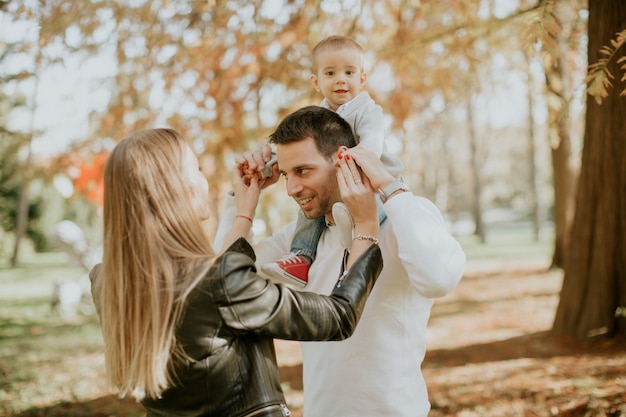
(228, 328)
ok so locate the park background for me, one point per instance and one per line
(508, 114)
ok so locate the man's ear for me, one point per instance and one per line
(340, 150)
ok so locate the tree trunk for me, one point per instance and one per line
(564, 192)
(594, 286)
(561, 149)
(21, 220)
(535, 202)
(477, 184)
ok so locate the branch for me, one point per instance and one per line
(483, 25)
(599, 78)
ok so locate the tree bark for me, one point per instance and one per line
(594, 286)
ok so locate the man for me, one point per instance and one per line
(377, 371)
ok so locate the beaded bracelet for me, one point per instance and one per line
(371, 238)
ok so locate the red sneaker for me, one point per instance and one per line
(289, 269)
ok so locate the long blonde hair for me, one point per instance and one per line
(155, 252)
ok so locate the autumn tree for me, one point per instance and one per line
(594, 287)
(48, 22)
(557, 31)
(224, 73)
(10, 179)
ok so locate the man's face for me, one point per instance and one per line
(311, 179)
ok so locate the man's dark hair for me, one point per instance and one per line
(324, 126)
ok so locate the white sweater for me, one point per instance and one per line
(377, 371)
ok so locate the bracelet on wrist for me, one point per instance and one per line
(244, 217)
(371, 238)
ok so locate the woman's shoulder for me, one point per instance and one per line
(241, 246)
(232, 276)
(239, 256)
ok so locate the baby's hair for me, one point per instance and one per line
(333, 42)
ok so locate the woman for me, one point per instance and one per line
(186, 332)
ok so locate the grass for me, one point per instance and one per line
(507, 241)
(54, 367)
(44, 359)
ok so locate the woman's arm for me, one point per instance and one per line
(250, 303)
(247, 186)
(357, 194)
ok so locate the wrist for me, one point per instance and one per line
(244, 217)
(370, 228)
(396, 193)
(392, 188)
(386, 181)
(367, 238)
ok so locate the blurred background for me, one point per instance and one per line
(463, 85)
(488, 103)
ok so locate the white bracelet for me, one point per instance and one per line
(371, 238)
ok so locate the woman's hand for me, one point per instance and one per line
(246, 197)
(252, 164)
(371, 166)
(247, 192)
(357, 193)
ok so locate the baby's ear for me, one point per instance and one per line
(315, 82)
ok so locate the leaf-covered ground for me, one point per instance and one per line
(489, 354)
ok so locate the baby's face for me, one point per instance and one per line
(339, 75)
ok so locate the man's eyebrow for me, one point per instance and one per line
(302, 166)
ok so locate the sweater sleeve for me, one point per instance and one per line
(432, 258)
(369, 128)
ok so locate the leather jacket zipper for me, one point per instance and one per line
(344, 269)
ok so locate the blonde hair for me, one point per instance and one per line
(334, 42)
(155, 252)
